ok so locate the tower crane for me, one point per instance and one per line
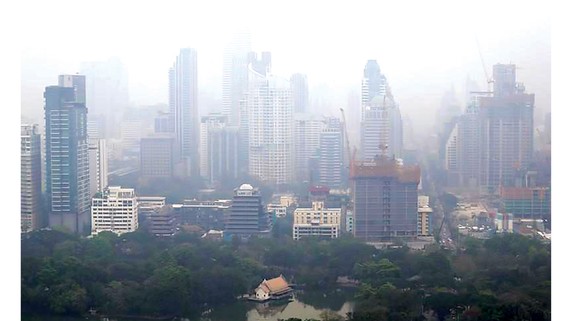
(350, 157)
(487, 78)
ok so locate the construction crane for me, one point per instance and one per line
(487, 78)
(350, 157)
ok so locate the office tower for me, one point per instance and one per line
(257, 72)
(246, 216)
(163, 123)
(385, 196)
(331, 154)
(159, 155)
(67, 156)
(507, 130)
(30, 178)
(98, 166)
(316, 221)
(131, 133)
(116, 210)
(107, 90)
(300, 89)
(183, 100)
(270, 129)
(373, 84)
(219, 149)
(235, 75)
(307, 129)
(381, 129)
(451, 157)
(469, 145)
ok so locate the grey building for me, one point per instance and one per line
(247, 216)
(385, 196)
(331, 154)
(67, 157)
(30, 178)
(159, 155)
(373, 84)
(300, 89)
(183, 101)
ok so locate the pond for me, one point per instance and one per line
(303, 305)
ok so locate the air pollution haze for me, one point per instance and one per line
(423, 50)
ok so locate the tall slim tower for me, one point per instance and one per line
(307, 130)
(300, 89)
(235, 75)
(98, 167)
(183, 91)
(331, 154)
(373, 84)
(31, 178)
(381, 129)
(67, 156)
(270, 127)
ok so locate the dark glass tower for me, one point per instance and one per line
(246, 216)
(67, 154)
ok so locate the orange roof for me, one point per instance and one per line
(275, 285)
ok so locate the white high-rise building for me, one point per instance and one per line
(98, 166)
(183, 100)
(208, 123)
(331, 154)
(307, 128)
(235, 75)
(115, 211)
(31, 178)
(381, 129)
(373, 84)
(269, 106)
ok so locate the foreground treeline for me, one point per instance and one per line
(505, 278)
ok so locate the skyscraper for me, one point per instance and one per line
(67, 156)
(107, 91)
(381, 129)
(507, 129)
(219, 149)
(235, 75)
(331, 154)
(270, 128)
(183, 100)
(307, 129)
(373, 84)
(300, 89)
(31, 178)
(159, 155)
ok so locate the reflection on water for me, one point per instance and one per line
(303, 305)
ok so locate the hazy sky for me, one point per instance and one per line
(422, 48)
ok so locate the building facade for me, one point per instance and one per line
(98, 166)
(31, 217)
(316, 221)
(159, 155)
(373, 84)
(331, 154)
(183, 101)
(385, 196)
(67, 155)
(247, 216)
(300, 89)
(381, 129)
(219, 150)
(307, 129)
(115, 210)
(235, 75)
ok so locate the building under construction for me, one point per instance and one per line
(385, 196)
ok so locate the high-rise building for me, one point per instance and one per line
(159, 155)
(183, 97)
(385, 196)
(247, 216)
(98, 166)
(107, 91)
(373, 84)
(67, 155)
(316, 221)
(163, 123)
(331, 154)
(115, 210)
(300, 89)
(257, 72)
(381, 129)
(307, 129)
(219, 151)
(30, 178)
(235, 75)
(507, 130)
(469, 145)
(270, 129)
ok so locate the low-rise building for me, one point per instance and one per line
(272, 289)
(114, 210)
(279, 210)
(316, 221)
(162, 222)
